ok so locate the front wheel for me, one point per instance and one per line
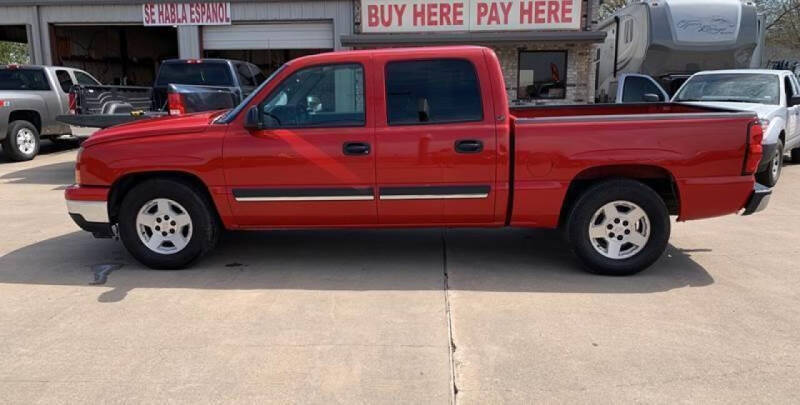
(618, 227)
(22, 141)
(166, 224)
(769, 177)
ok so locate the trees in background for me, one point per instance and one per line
(13, 52)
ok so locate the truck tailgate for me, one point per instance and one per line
(702, 150)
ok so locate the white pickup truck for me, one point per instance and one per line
(772, 94)
(30, 99)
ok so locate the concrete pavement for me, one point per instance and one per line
(364, 316)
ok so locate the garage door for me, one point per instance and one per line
(301, 35)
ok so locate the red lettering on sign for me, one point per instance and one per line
(505, 8)
(538, 12)
(552, 11)
(483, 11)
(566, 11)
(431, 14)
(458, 14)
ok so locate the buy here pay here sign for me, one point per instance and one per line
(469, 15)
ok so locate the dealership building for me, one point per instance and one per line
(546, 47)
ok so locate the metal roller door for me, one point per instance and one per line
(299, 35)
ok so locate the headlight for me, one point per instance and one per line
(764, 123)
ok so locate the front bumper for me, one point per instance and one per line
(758, 199)
(769, 151)
(88, 207)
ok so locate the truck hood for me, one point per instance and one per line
(764, 111)
(154, 127)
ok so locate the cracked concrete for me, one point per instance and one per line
(415, 316)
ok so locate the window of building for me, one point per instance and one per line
(319, 96)
(432, 91)
(542, 75)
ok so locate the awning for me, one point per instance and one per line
(472, 38)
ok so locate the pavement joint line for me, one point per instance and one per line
(448, 313)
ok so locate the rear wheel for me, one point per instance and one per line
(618, 227)
(769, 177)
(22, 141)
(166, 224)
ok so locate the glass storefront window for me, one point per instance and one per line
(542, 75)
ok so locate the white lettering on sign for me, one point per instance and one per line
(469, 15)
(186, 13)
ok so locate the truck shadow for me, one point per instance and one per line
(57, 174)
(46, 148)
(513, 260)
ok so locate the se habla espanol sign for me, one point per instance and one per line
(216, 13)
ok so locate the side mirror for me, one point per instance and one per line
(651, 98)
(795, 100)
(253, 119)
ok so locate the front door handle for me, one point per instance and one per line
(468, 146)
(355, 148)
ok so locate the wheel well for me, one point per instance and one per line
(657, 178)
(123, 185)
(27, 115)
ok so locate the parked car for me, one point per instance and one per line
(98, 106)
(772, 94)
(31, 97)
(419, 137)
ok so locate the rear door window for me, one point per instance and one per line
(83, 78)
(432, 91)
(64, 80)
(244, 74)
(199, 73)
(23, 79)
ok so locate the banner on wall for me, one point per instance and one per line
(159, 14)
(469, 15)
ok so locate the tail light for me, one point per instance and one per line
(194, 61)
(73, 102)
(2, 103)
(176, 106)
(754, 151)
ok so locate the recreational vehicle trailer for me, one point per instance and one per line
(669, 40)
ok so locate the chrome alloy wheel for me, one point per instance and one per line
(619, 230)
(164, 226)
(776, 164)
(26, 141)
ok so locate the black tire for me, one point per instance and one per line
(204, 225)
(66, 142)
(769, 177)
(796, 155)
(590, 202)
(11, 147)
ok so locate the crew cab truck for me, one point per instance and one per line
(31, 97)
(415, 138)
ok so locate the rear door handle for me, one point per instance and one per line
(355, 148)
(468, 146)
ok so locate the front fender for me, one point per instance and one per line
(773, 132)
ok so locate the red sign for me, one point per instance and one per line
(216, 13)
(469, 15)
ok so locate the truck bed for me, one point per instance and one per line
(703, 148)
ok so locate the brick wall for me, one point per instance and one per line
(580, 71)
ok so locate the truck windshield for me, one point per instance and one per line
(200, 74)
(23, 79)
(732, 87)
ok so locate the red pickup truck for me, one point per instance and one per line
(415, 138)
